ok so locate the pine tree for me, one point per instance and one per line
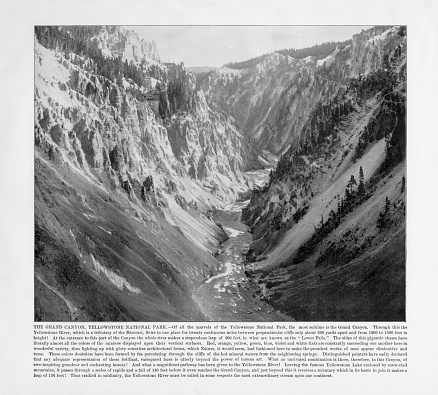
(341, 208)
(119, 79)
(383, 219)
(332, 219)
(387, 206)
(361, 188)
(351, 183)
(347, 195)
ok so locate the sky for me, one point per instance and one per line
(216, 45)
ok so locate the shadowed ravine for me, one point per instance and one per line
(229, 295)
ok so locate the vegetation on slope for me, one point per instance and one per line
(319, 51)
(323, 253)
(76, 40)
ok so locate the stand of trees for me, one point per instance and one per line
(246, 63)
(320, 51)
(381, 80)
(355, 194)
(76, 39)
(384, 219)
(396, 142)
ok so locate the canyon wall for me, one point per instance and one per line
(123, 192)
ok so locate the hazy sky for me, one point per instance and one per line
(216, 45)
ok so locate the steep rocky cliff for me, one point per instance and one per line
(327, 245)
(119, 42)
(124, 193)
(272, 100)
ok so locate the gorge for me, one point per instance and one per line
(270, 190)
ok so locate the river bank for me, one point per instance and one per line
(230, 295)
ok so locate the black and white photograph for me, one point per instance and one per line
(220, 173)
(212, 196)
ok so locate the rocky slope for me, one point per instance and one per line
(272, 100)
(119, 42)
(124, 193)
(327, 245)
(132, 157)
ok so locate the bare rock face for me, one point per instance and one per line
(124, 193)
(115, 41)
(109, 125)
(361, 113)
(272, 100)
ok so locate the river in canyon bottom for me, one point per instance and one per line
(230, 295)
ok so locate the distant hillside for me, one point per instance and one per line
(246, 63)
(202, 69)
(319, 51)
